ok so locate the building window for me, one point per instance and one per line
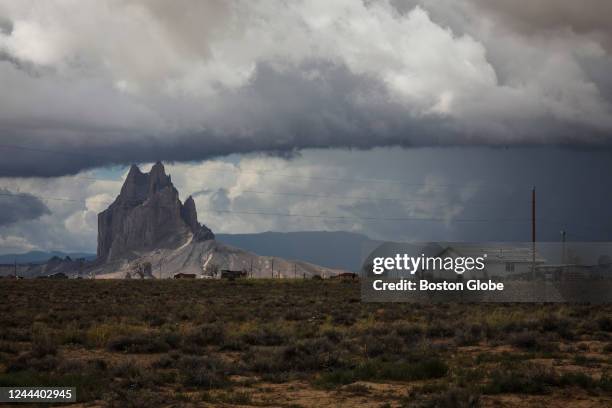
(509, 267)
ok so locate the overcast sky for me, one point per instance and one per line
(469, 103)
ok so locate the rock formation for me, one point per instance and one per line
(147, 215)
(147, 232)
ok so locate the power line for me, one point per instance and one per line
(363, 198)
(361, 218)
(321, 216)
(275, 174)
(559, 222)
(313, 195)
(325, 196)
(262, 213)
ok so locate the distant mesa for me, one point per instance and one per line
(147, 215)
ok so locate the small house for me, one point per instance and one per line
(500, 260)
(345, 276)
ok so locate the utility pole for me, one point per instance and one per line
(563, 235)
(533, 231)
(15, 268)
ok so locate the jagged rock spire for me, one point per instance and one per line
(134, 189)
(147, 214)
(158, 179)
(190, 215)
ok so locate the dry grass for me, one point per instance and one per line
(301, 343)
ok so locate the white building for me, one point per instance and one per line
(500, 260)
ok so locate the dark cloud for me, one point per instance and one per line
(538, 16)
(280, 112)
(573, 192)
(207, 79)
(19, 207)
(6, 26)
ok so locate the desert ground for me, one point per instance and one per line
(302, 343)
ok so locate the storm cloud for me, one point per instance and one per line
(591, 17)
(19, 207)
(112, 82)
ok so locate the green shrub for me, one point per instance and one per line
(43, 344)
(202, 372)
(524, 380)
(455, 398)
(410, 332)
(524, 340)
(605, 382)
(139, 343)
(389, 344)
(577, 379)
(427, 369)
(312, 354)
(205, 335)
(605, 323)
(265, 336)
(232, 398)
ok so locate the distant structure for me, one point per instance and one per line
(58, 275)
(184, 275)
(54, 265)
(142, 270)
(346, 276)
(503, 260)
(231, 275)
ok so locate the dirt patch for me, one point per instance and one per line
(111, 358)
(574, 398)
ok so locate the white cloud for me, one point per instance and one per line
(12, 243)
(73, 201)
(329, 194)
